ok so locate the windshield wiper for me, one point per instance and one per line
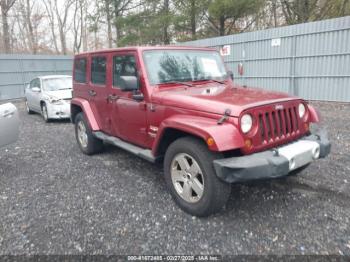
(209, 79)
(178, 82)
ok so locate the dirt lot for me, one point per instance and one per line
(55, 200)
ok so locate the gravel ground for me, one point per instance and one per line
(55, 200)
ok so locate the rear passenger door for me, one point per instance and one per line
(98, 90)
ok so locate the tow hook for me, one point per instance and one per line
(226, 115)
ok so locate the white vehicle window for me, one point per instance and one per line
(56, 84)
(35, 83)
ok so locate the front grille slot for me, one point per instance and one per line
(278, 124)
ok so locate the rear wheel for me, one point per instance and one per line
(28, 109)
(87, 142)
(191, 178)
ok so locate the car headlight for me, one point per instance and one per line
(55, 101)
(302, 110)
(246, 123)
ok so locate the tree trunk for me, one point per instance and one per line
(166, 26)
(222, 26)
(83, 11)
(109, 24)
(193, 19)
(32, 40)
(63, 42)
(274, 11)
(5, 30)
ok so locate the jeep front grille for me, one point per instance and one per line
(278, 124)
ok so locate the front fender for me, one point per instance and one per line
(86, 108)
(226, 136)
(315, 116)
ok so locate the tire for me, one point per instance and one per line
(87, 142)
(29, 111)
(45, 113)
(215, 192)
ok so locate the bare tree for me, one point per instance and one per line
(62, 22)
(79, 25)
(51, 17)
(58, 17)
(6, 5)
(29, 19)
(109, 19)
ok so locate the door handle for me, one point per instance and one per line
(8, 114)
(112, 97)
(92, 93)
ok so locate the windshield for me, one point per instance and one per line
(56, 84)
(183, 65)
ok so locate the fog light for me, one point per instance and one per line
(291, 164)
(210, 141)
(316, 153)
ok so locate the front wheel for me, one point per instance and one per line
(45, 113)
(87, 142)
(191, 178)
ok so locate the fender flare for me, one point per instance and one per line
(86, 108)
(315, 116)
(226, 136)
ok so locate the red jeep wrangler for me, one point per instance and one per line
(179, 105)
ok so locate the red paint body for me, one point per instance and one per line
(193, 110)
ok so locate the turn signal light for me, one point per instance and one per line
(210, 141)
(306, 126)
(248, 143)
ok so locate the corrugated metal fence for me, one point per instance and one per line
(309, 60)
(17, 70)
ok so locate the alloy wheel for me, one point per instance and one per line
(44, 113)
(187, 178)
(82, 134)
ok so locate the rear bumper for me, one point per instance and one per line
(274, 163)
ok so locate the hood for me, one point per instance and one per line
(217, 98)
(60, 94)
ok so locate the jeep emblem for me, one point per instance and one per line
(279, 107)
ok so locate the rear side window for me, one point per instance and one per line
(98, 70)
(80, 70)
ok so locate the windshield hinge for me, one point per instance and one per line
(226, 115)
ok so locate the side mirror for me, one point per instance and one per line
(36, 89)
(230, 74)
(129, 83)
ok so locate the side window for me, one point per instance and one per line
(35, 83)
(32, 84)
(80, 70)
(123, 65)
(98, 70)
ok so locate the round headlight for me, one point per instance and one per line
(246, 123)
(302, 110)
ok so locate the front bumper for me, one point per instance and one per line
(274, 163)
(59, 111)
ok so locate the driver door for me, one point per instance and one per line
(33, 98)
(129, 117)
